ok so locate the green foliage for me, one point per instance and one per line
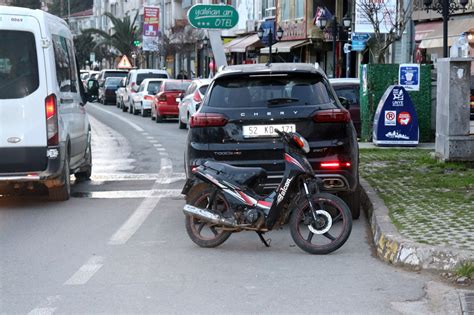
(32, 4)
(84, 45)
(124, 34)
(465, 270)
(379, 78)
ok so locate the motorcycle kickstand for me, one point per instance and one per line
(264, 241)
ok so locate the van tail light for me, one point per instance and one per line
(207, 120)
(148, 98)
(332, 116)
(197, 97)
(52, 128)
(162, 98)
(334, 165)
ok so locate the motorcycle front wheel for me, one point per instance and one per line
(206, 234)
(324, 231)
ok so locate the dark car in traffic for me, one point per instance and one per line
(244, 105)
(348, 88)
(108, 93)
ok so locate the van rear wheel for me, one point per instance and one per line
(63, 192)
(86, 172)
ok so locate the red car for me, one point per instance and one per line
(164, 103)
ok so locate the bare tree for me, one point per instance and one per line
(388, 24)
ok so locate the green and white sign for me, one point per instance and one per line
(216, 16)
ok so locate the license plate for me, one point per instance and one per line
(266, 130)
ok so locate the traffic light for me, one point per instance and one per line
(136, 43)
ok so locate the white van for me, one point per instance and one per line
(134, 79)
(45, 135)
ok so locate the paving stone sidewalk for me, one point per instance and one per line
(430, 233)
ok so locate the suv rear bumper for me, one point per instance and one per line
(53, 165)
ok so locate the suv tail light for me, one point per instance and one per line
(52, 128)
(332, 115)
(197, 97)
(148, 98)
(207, 120)
(334, 165)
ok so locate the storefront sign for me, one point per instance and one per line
(151, 18)
(293, 29)
(359, 41)
(216, 16)
(395, 121)
(267, 27)
(409, 76)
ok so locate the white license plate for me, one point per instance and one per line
(266, 130)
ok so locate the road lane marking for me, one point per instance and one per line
(134, 222)
(43, 311)
(157, 145)
(86, 272)
(128, 194)
(160, 149)
(47, 307)
(136, 176)
(131, 124)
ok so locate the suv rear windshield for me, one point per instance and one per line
(143, 76)
(115, 74)
(18, 64)
(267, 91)
(113, 81)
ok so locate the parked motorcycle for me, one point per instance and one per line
(221, 200)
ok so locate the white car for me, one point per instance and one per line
(143, 99)
(45, 135)
(191, 100)
(134, 79)
(119, 93)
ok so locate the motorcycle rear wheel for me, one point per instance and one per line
(206, 234)
(328, 232)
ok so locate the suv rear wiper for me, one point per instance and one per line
(281, 101)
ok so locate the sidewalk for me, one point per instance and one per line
(436, 240)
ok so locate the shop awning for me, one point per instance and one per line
(456, 26)
(242, 45)
(285, 47)
(233, 42)
(423, 30)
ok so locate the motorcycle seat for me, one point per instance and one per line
(247, 176)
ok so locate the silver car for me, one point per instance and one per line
(191, 100)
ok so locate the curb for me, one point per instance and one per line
(394, 248)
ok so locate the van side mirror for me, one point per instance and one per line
(344, 102)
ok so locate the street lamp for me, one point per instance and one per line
(445, 8)
(261, 35)
(205, 43)
(322, 24)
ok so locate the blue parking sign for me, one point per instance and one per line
(409, 76)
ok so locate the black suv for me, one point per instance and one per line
(246, 103)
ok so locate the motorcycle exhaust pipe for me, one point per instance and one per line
(208, 216)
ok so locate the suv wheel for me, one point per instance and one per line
(181, 124)
(352, 199)
(62, 192)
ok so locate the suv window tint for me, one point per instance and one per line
(241, 92)
(143, 76)
(112, 81)
(179, 85)
(203, 89)
(115, 74)
(18, 64)
(64, 65)
(154, 86)
(349, 92)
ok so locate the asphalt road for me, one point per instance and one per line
(119, 246)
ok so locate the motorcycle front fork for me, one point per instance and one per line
(310, 200)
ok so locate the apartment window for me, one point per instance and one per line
(269, 8)
(285, 10)
(299, 8)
